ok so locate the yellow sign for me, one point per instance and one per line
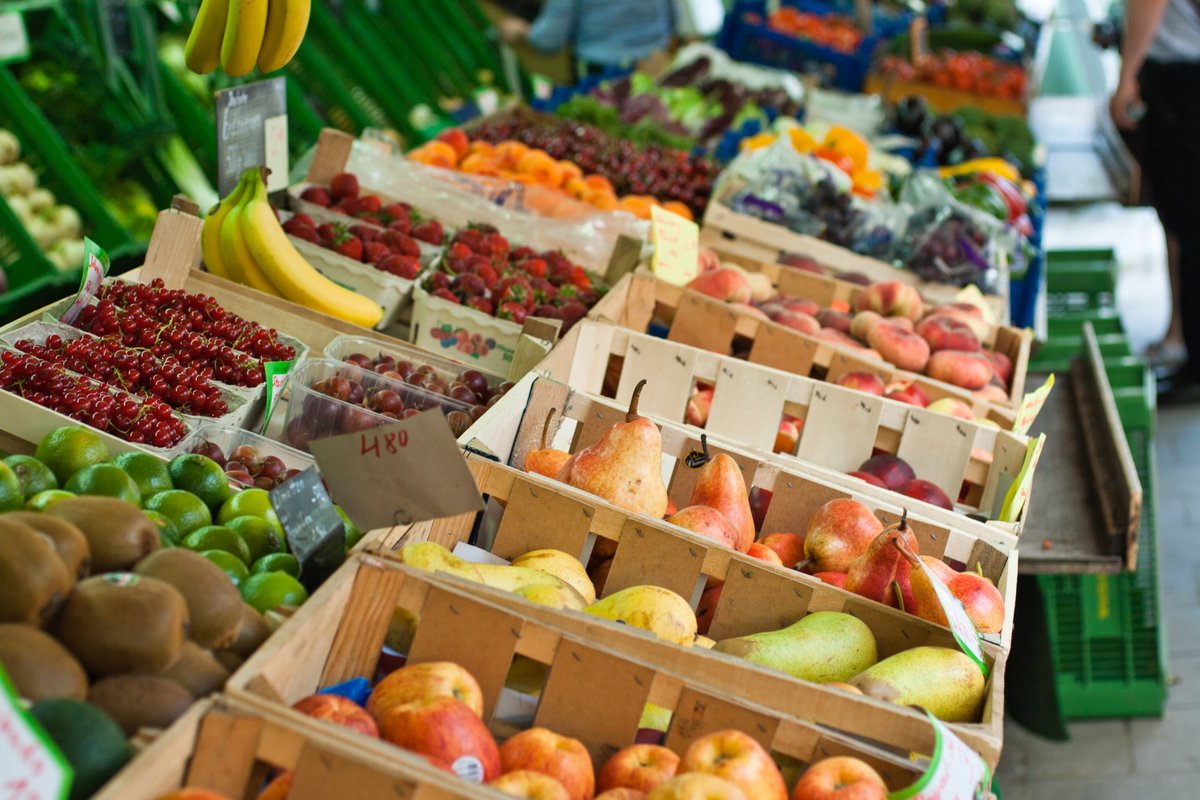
(1018, 493)
(1031, 405)
(676, 241)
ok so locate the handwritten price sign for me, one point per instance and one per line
(956, 772)
(676, 246)
(30, 766)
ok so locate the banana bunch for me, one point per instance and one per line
(238, 34)
(243, 241)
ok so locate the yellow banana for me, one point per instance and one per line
(238, 260)
(245, 26)
(292, 275)
(210, 236)
(203, 49)
(287, 20)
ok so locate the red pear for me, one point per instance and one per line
(720, 485)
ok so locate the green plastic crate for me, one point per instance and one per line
(1080, 281)
(1055, 354)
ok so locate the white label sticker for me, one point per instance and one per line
(469, 768)
(956, 772)
(93, 279)
(275, 140)
(14, 42)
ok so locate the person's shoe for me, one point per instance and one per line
(1183, 388)
(1165, 354)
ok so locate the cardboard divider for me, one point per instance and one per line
(840, 428)
(460, 622)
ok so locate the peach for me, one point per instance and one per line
(906, 392)
(891, 470)
(862, 381)
(992, 393)
(788, 435)
(954, 407)
(966, 308)
(726, 284)
(839, 338)
(624, 793)
(764, 553)
(853, 277)
(947, 333)
(837, 320)
(977, 324)
(707, 260)
(868, 477)
(801, 262)
(961, 368)
(863, 323)
(753, 311)
(797, 321)
(891, 299)
(1001, 364)
(900, 347)
(927, 492)
(801, 305)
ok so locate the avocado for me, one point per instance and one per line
(90, 741)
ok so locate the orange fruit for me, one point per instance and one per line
(193, 794)
(456, 139)
(480, 147)
(570, 170)
(600, 182)
(676, 207)
(479, 164)
(510, 153)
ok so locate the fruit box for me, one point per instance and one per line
(942, 99)
(755, 241)
(465, 333)
(447, 369)
(233, 747)
(644, 303)
(846, 426)
(343, 637)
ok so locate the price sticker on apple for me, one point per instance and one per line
(956, 772)
(1031, 406)
(31, 768)
(95, 263)
(676, 242)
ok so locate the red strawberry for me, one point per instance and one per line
(446, 294)
(374, 252)
(438, 280)
(304, 219)
(489, 275)
(482, 304)
(468, 284)
(402, 224)
(572, 312)
(403, 266)
(580, 278)
(370, 204)
(368, 233)
(317, 195)
(294, 224)
(536, 267)
(349, 206)
(308, 235)
(522, 253)
(460, 251)
(402, 243)
(349, 247)
(430, 231)
(343, 185)
(456, 265)
(392, 212)
(512, 311)
(547, 311)
(329, 230)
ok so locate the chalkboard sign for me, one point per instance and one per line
(252, 132)
(312, 526)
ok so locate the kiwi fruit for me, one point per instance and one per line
(252, 632)
(229, 660)
(197, 671)
(118, 533)
(120, 622)
(39, 666)
(33, 579)
(214, 603)
(140, 701)
(69, 541)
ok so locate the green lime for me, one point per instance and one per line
(268, 591)
(12, 497)
(148, 472)
(231, 564)
(43, 500)
(34, 475)
(258, 534)
(253, 503)
(217, 537)
(107, 480)
(353, 534)
(67, 450)
(201, 476)
(168, 534)
(277, 562)
(184, 509)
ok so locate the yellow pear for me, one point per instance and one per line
(563, 566)
(432, 557)
(552, 595)
(705, 642)
(943, 681)
(651, 608)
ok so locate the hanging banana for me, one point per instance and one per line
(237, 35)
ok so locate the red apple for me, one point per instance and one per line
(447, 732)
(892, 470)
(981, 599)
(926, 491)
(788, 436)
(425, 682)
(862, 381)
(760, 501)
(906, 392)
(868, 477)
(562, 758)
(839, 532)
(764, 553)
(338, 710)
(788, 546)
(840, 778)
(640, 767)
(734, 756)
(837, 579)
(698, 786)
(530, 785)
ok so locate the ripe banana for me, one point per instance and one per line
(238, 259)
(287, 20)
(245, 26)
(292, 275)
(210, 236)
(203, 49)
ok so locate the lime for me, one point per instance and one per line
(253, 503)
(277, 562)
(217, 537)
(230, 564)
(148, 472)
(353, 534)
(184, 509)
(43, 500)
(201, 476)
(107, 480)
(12, 497)
(268, 591)
(67, 450)
(259, 536)
(34, 475)
(168, 534)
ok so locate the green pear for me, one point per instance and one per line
(945, 682)
(824, 646)
(651, 608)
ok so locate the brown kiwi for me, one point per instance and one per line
(140, 701)
(229, 660)
(69, 541)
(118, 533)
(197, 671)
(33, 579)
(121, 622)
(252, 632)
(214, 603)
(40, 667)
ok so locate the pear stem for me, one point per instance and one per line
(803, 565)
(546, 427)
(704, 447)
(632, 414)
(909, 556)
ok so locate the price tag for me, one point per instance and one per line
(95, 263)
(398, 474)
(964, 630)
(543, 87)
(1031, 405)
(14, 41)
(31, 768)
(242, 130)
(676, 246)
(275, 373)
(275, 145)
(314, 530)
(956, 772)
(488, 100)
(1018, 493)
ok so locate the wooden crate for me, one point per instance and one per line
(848, 426)
(642, 302)
(230, 746)
(341, 638)
(940, 98)
(749, 240)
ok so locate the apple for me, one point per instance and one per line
(530, 785)
(840, 778)
(837, 579)
(868, 477)
(892, 470)
(906, 392)
(737, 758)
(340, 711)
(425, 682)
(788, 546)
(561, 757)
(447, 732)
(764, 553)
(698, 786)
(621, 794)
(760, 500)
(926, 491)
(640, 767)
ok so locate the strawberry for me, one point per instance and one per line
(343, 185)
(402, 224)
(401, 266)
(482, 304)
(368, 233)
(456, 265)
(374, 252)
(370, 204)
(402, 243)
(512, 311)
(438, 280)
(394, 211)
(535, 267)
(308, 235)
(329, 230)
(468, 284)
(460, 251)
(547, 311)
(572, 312)
(446, 294)
(523, 253)
(293, 224)
(488, 273)
(318, 195)
(580, 278)
(430, 231)
(476, 262)
(348, 246)
(349, 206)
(304, 219)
